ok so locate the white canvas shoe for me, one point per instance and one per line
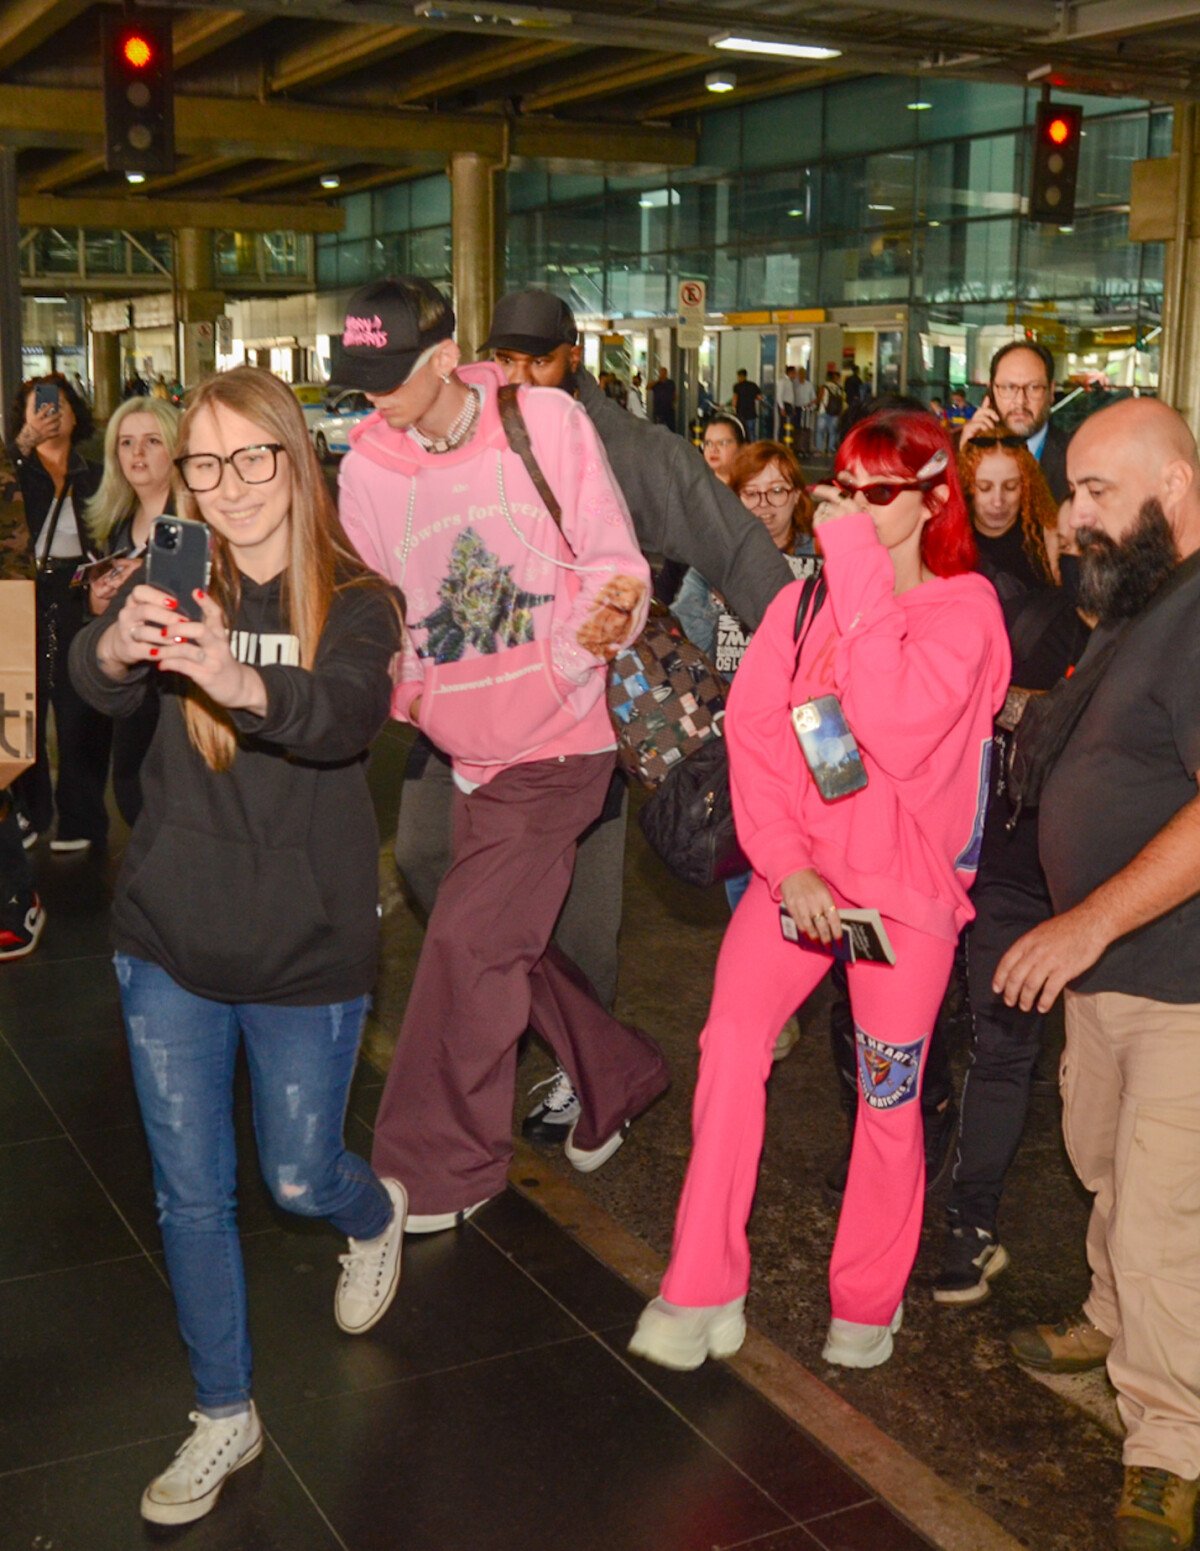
(677, 1337)
(189, 1488)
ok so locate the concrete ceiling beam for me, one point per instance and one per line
(173, 214)
(339, 51)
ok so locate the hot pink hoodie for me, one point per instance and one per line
(920, 678)
(509, 626)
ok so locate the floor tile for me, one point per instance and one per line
(53, 1214)
(92, 1505)
(24, 1115)
(91, 1359)
(589, 1290)
(796, 1472)
(871, 1527)
(438, 1321)
(542, 1447)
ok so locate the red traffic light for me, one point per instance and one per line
(1058, 130)
(137, 51)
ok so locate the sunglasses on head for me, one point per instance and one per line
(998, 441)
(927, 476)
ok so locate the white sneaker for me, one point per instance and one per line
(555, 1112)
(371, 1271)
(70, 845)
(438, 1222)
(852, 1345)
(189, 1488)
(677, 1337)
(588, 1160)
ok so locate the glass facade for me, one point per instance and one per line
(880, 191)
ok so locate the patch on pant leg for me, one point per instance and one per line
(887, 1074)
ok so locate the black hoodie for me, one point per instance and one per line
(260, 883)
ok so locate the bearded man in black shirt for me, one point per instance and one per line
(1119, 837)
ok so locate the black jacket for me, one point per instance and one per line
(37, 487)
(260, 883)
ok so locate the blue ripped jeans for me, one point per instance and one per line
(301, 1062)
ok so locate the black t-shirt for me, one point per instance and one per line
(1004, 558)
(745, 395)
(1127, 769)
(663, 395)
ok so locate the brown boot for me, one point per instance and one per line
(1157, 1511)
(1073, 1346)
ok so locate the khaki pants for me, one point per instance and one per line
(1131, 1120)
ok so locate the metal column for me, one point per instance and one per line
(474, 240)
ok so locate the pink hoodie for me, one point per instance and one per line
(920, 678)
(509, 627)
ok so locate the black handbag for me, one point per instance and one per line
(688, 821)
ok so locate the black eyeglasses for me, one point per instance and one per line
(998, 441)
(257, 465)
(884, 495)
(773, 495)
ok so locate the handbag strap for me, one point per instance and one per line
(516, 432)
(52, 523)
(812, 598)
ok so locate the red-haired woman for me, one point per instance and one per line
(912, 644)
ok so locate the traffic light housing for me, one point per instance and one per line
(1056, 138)
(139, 103)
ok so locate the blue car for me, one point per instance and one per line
(331, 433)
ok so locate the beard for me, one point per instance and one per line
(1118, 577)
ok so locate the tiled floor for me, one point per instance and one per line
(493, 1409)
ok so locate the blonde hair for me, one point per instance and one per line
(320, 558)
(116, 498)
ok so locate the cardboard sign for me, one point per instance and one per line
(18, 679)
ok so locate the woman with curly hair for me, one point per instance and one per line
(1012, 512)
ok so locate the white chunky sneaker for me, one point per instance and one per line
(588, 1159)
(852, 1345)
(189, 1488)
(371, 1271)
(439, 1222)
(677, 1337)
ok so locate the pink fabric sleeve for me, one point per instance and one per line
(610, 607)
(766, 767)
(902, 695)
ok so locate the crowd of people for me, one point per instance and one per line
(960, 611)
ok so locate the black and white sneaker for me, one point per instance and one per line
(971, 1258)
(555, 1112)
(29, 835)
(21, 924)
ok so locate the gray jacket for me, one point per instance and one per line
(681, 510)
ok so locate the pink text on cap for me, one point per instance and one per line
(365, 331)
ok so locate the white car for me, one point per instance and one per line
(331, 433)
(313, 398)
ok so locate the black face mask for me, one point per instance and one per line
(1068, 570)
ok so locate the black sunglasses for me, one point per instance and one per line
(998, 441)
(884, 495)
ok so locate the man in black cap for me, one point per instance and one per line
(679, 509)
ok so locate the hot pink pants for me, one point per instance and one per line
(760, 980)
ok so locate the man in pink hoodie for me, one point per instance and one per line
(511, 620)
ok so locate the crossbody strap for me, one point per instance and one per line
(517, 434)
(52, 524)
(812, 598)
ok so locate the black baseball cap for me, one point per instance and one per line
(389, 326)
(533, 322)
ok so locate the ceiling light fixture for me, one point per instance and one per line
(135, 177)
(331, 180)
(778, 48)
(720, 80)
(918, 106)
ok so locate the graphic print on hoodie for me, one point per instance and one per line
(510, 621)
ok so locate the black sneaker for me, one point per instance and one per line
(29, 835)
(20, 927)
(941, 1128)
(555, 1113)
(970, 1259)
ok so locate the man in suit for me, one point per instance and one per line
(1020, 393)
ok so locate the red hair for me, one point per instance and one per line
(898, 443)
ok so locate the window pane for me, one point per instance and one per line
(970, 177)
(1107, 151)
(575, 233)
(784, 130)
(869, 191)
(967, 261)
(429, 253)
(1161, 130)
(702, 214)
(720, 139)
(358, 215)
(104, 253)
(430, 201)
(865, 115)
(568, 186)
(1095, 258)
(352, 263)
(639, 220)
(870, 268)
(637, 286)
(782, 275)
(391, 208)
(527, 187)
(960, 108)
(718, 267)
(779, 203)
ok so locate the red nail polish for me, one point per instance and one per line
(200, 593)
(164, 631)
(154, 651)
(172, 604)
